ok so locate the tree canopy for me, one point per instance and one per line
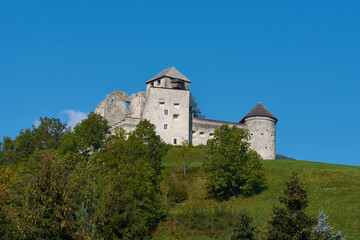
(232, 167)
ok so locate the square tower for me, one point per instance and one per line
(167, 105)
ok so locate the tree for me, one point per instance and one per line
(194, 110)
(185, 155)
(47, 212)
(322, 231)
(8, 152)
(144, 143)
(133, 203)
(49, 134)
(5, 178)
(243, 230)
(291, 222)
(88, 136)
(232, 167)
(85, 227)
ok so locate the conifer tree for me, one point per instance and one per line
(291, 222)
(243, 230)
(47, 211)
(322, 231)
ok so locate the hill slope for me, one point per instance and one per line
(334, 188)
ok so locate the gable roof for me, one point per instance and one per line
(259, 111)
(170, 72)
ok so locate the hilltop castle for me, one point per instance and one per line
(166, 105)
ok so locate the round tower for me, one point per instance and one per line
(261, 125)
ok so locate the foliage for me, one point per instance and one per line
(174, 189)
(47, 211)
(322, 231)
(280, 156)
(243, 230)
(49, 134)
(5, 178)
(144, 143)
(85, 227)
(194, 110)
(232, 167)
(88, 136)
(185, 156)
(133, 204)
(291, 222)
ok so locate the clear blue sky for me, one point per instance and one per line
(301, 59)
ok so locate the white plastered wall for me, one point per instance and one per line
(262, 132)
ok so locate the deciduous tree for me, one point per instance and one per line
(232, 167)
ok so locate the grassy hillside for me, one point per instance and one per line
(335, 188)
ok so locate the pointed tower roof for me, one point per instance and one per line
(259, 111)
(170, 72)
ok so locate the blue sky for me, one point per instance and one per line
(301, 59)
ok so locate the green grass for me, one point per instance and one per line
(334, 188)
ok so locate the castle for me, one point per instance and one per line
(166, 104)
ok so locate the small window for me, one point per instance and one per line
(175, 141)
(262, 133)
(202, 134)
(152, 84)
(165, 126)
(193, 131)
(127, 105)
(176, 117)
(158, 82)
(211, 134)
(112, 100)
(161, 104)
(166, 112)
(176, 104)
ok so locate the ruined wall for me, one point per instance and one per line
(114, 107)
(128, 124)
(117, 106)
(262, 132)
(203, 129)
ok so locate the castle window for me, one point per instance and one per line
(166, 112)
(165, 126)
(175, 141)
(262, 133)
(161, 104)
(211, 135)
(158, 82)
(127, 105)
(202, 134)
(175, 117)
(112, 100)
(176, 104)
(152, 84)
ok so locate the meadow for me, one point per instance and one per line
(331, 187)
